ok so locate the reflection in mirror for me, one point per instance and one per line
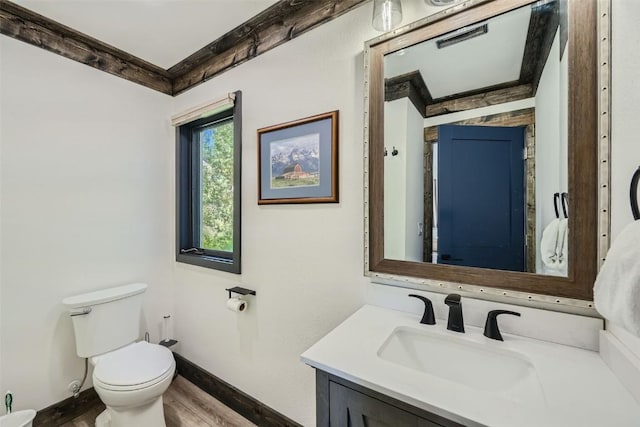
(573, 47)
(475, 135)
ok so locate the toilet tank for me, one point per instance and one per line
(107, 319)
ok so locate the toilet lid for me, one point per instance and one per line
(134, 364)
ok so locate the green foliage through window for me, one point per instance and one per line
(216, 186)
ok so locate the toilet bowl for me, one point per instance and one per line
(128, 376)
(130, 382)
(18, 419)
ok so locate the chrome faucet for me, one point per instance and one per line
(455, 322)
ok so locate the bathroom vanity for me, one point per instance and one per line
(340, 403)
(383, 365)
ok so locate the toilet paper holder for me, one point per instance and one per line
(240, 291)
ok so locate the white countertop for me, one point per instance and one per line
(574, 386)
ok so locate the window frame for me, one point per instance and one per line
(187, 192)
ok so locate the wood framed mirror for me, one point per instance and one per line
(545, 29)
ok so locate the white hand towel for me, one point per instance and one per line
(562, 245)
(548, 244)
(616, 292)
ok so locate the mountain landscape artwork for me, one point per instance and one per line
(295, 162)
(298, 161)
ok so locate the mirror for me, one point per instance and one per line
(476, 155)
(481, 131)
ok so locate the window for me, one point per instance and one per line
(208, 159)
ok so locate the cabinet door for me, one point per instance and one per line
(349, 408)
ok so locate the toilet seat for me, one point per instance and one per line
(134, 367)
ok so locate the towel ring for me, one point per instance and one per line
(556, 198)
(565, 204)
(633, 194)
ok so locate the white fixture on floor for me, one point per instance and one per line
(18, 419)
(130, 377)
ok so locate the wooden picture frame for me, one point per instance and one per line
(298, 161)
(566, 293)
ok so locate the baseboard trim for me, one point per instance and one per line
(250, 408)
(67, 409)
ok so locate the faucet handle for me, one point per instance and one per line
(455, 322)
(452, 299)
(491, 329)
(428, 318)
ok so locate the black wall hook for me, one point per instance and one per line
(394, 152)
(556, 199)
(633, 194)
(565, 204)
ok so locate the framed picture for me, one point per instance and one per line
(298, 161)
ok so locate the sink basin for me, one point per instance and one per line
(465, 362)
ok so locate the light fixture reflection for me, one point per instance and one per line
(387, 14)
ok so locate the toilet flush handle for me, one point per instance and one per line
(85, 310)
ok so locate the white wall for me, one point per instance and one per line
(304, 261)
(403, 181)
(85, 182)
(414, 155)
(551, 160)
(395, 178)
(625, 132)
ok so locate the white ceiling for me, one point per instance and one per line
(162, 32)
(480, 62)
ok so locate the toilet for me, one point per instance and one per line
(130, 376)
(18, 419)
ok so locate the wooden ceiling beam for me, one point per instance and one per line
(410, 85)
(283, 21)
(37, 30)
(543, 25)
(484, 99)
(522, 117)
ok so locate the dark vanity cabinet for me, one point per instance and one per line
(341, 403)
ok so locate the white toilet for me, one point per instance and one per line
(130, 377)
(18, 419)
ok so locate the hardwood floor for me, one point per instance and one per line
(185, 405)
